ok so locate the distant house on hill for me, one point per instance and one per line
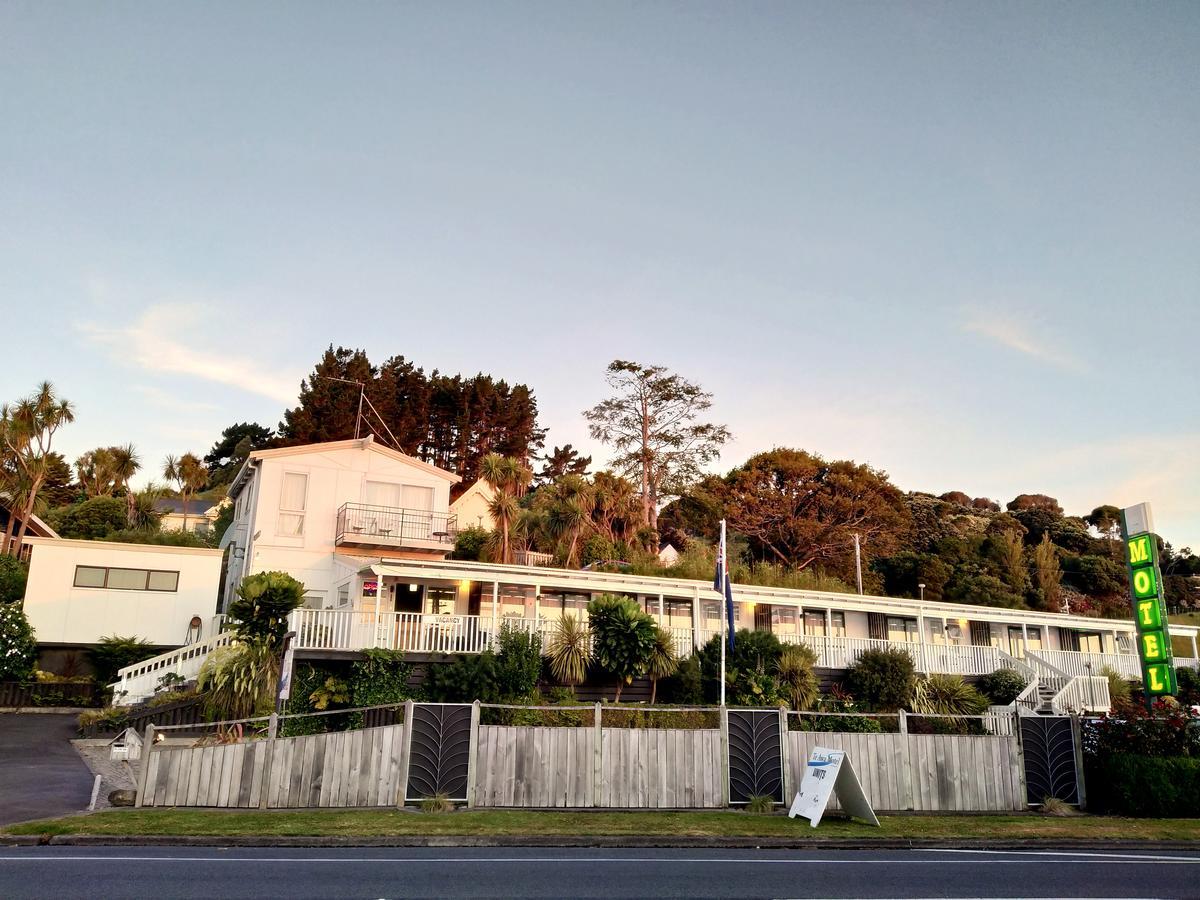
(668, 555)
(10, 523)
(201, 514)
(472, 508)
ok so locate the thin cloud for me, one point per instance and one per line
(152, 344)
(1008, 332)
(167, 400)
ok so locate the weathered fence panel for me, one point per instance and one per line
(535, 767)
(924, 772)
(349, 768)
(664, 768)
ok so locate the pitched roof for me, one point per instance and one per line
(174, 505)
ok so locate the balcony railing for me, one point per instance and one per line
(361, 523)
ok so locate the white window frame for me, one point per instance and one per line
(282, 511)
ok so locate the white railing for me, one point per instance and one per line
(1074, 663)
(681, 640)
(139, 681)
(1082, 694)
(959, 659)
(532, 558)
(345, 629)
(1029, 699)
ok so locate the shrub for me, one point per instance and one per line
(13, 575)
(622, 638)
(797, 680)
(519, 662)
(93, 519)
(1118, 687)
(170, 538)
(305, 680)
(263, 603)
(755, 653)
(1003, 686)
(1130, 784)
(883, 679)
(469, 543)
(947, 695)
(466, 679)
(663, 661)
(760, 804)
(379, 678)
(1167, 732)
(239, 681)
(835, 724)
(570, 650)
(114, 653)
(684, 687)
(18, 648)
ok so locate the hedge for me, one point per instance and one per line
(1127, 784)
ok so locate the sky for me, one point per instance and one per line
(957, 241)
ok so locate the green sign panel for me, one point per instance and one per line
(1149, 608)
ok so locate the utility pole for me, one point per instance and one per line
(858, 562)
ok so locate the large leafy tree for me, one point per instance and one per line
(800, 510)
(451, 421)
(228, 454)
(27, 430)
(653, 424)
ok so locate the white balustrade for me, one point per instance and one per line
(1075, 663)
(139, 681)
(1083, 693)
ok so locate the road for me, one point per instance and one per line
(41, 775)
(165, 872)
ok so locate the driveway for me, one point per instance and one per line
(41, 775)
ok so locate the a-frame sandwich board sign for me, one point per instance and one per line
(829, 772)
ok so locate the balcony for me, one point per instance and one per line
(362, 525)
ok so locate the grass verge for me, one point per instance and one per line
(393, 823)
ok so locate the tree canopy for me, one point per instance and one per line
(652, 422)
(451, 421)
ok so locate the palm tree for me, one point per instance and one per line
(570, 650)
(125, 463)
(508, 479)
(567, 505)
(27, 432)
(663, 661)
(189, 474)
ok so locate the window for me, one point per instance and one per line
(902, 630)
(784, 620)
(1035, 638)
(292, 498)
(441, 601)
(126, 579)
(163, 581)
(838, 624)
(90, 576)
(814, 622)
(379, 493)
(1090, 642)
(413, 497)
(343, 595)
(314, 599)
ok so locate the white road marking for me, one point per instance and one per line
(1096, 859)
(1087, 854)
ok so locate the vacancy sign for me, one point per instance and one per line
(829, 772)
(1149, 605)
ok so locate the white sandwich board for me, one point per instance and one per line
(830, 771)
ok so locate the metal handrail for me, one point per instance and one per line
(394, 523)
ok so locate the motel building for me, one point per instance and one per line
(368, 529)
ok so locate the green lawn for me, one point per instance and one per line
(384, 823)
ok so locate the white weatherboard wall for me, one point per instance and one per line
(337, 473)
(64, 614)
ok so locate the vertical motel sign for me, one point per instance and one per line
(1149, 606)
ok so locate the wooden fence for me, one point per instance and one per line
(19, 694)
(337, 769)
(923, 772)
(622, 768)
(589, 766)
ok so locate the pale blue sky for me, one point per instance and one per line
(959, 241)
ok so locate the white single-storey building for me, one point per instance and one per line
(81, 591)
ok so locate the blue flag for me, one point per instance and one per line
(721, 583)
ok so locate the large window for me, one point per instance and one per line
(902, 630)
(293, 498)
(126, 579)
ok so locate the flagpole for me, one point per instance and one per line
(723, 569)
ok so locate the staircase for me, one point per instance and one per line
(1060, 694)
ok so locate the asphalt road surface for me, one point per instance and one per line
(166, 872)
(41, 775)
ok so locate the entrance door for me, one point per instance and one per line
(408, 597)
(1016, 642)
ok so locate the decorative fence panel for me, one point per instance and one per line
(1050, 758)
(924, 772)
(755, 755)
(439, 751)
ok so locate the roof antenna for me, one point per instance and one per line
(358, 418)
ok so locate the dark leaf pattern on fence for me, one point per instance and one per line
(755, 761)
(1049, 749)
(440, 751)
